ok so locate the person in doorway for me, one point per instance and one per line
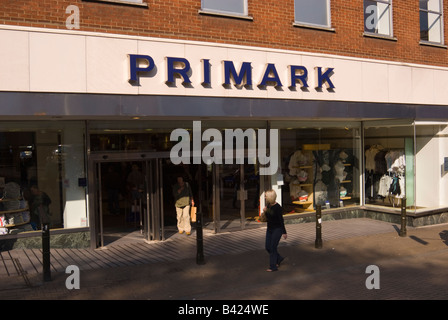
(183, 197)
(275, 230)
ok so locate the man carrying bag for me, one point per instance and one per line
(183, 197)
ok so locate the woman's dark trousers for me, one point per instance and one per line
(272, 239)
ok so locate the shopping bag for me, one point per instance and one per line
(193, 214)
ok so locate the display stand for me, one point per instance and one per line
(312, 153)
(306, 205)
(11, 219)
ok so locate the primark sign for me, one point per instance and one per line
(240, 75)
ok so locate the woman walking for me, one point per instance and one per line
(276, 229)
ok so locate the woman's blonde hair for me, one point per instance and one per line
(270, 195)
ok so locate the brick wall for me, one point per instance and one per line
(271, 25)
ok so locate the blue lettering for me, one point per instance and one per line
(303, 77)
(324, 77)
(135, 69)
(206, 81)
(172, 70)
(181, 68)
(270, 68)
(245, 73)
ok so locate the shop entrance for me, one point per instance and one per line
(237, 195)
(128, 197)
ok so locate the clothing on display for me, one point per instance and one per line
(298, 159)
(396, 161)
(385, 172)
(320, 176)
(14, 212)
(371, 161)
(302, 176)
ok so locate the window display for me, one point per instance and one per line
(41, 166)
(14, 210)
(385, 172)
(320, 163)
(389, 165)
(321, 176)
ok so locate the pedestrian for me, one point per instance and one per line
(183, 197)
(275, 230)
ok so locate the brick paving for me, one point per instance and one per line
(411, 267)
(179, 247)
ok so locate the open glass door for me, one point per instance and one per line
(236, 195)
(128, 198)
(154, 222)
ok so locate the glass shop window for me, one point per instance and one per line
(389, 163)
(320, 165)
(41, 176)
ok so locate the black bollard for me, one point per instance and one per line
(199, 239)
(46, 251)
(318, 242)
(403, 218)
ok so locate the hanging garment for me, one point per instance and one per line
(380, 162)
(394, 188)
(384, 185)
(402, 182)
(370, 156)
(396, 161)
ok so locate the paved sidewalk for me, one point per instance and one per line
(411, 267)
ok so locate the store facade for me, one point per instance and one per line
(79, 108)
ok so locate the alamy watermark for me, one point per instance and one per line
(73, 20)
(372, 20)
(73, 280)
(373, 281)
(223, 150)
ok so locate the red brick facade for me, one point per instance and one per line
(272, 26)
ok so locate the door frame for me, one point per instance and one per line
(242, 194)
(154, 190)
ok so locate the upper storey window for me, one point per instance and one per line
(431, 21)
(312, 13)
(130, 2)
(227, 7)
(378, 17)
